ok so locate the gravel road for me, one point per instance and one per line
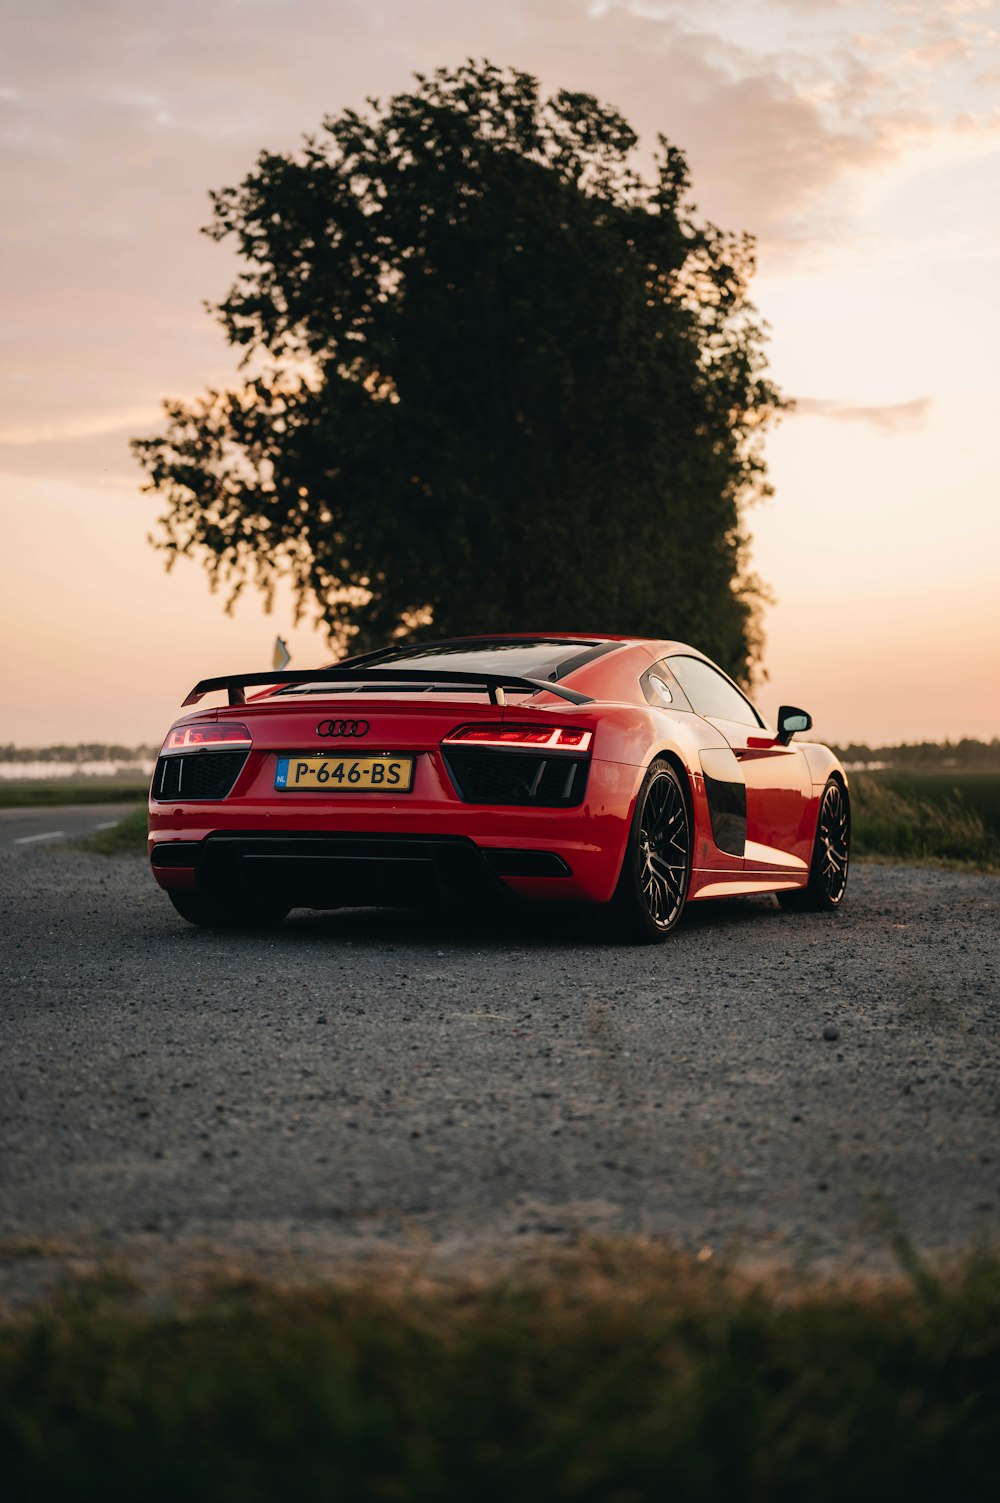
(781, 1088)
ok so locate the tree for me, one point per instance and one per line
(494, 380)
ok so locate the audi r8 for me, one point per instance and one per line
(623, 772)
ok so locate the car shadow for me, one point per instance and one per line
(539, 926)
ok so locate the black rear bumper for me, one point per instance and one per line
(338, 870)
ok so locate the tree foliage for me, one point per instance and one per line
(493, 379)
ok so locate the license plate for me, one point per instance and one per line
(386, 774)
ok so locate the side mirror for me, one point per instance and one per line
(791, 720)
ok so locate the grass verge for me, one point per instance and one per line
(126, 838)
(978, 790)
(15, 794)
(921, 821)
(924, 822)
(621, 1373)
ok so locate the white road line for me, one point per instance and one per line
(108, 824)
(30, 839)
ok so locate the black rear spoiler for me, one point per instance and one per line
(494, 684)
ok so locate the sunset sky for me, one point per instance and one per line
(860, 143)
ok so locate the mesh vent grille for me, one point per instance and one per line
(496, 777)
(203, 775)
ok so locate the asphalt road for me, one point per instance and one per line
(781, 1088)
(49, 826)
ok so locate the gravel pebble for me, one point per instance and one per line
(536, 1083)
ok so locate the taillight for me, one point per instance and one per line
(537, 737)
(224, 736)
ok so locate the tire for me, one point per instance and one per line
(656, 872)
(213, 911)
(831, 856)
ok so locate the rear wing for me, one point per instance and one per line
(493, 684)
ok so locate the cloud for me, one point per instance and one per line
(968, 7)
(944, 50)
(118, 117)
(82, 426)
(895, 417)
(101, 460)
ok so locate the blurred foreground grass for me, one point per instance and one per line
(618, 1372)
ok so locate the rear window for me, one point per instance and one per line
(523, 657)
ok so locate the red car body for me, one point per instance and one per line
(617, 706)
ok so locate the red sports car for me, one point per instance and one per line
(624, 772)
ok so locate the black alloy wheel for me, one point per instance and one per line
(831, 855)
(656, 872)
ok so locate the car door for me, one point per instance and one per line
(777, 777)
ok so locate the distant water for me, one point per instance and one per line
(9, 771)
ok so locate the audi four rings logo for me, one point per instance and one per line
(343, 728)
